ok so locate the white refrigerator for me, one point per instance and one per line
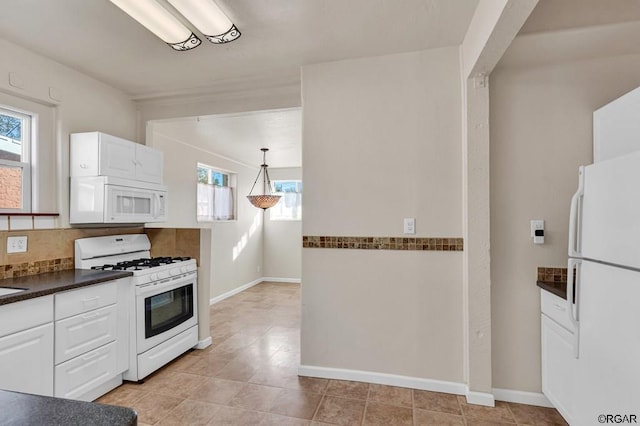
(604, 254)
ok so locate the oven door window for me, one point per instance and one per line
(166, 310)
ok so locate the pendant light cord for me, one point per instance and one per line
(265, 177)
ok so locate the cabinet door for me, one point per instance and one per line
(77, 377)
(26, 361)
(149, 163)
(84, 332)
(559, 367)
(117, 157)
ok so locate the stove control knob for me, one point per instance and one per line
(174, 272)
(162, 275)
(183, 269)
(153, 277)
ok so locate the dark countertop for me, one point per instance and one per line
(559, 288)
(24, 410)
(53, 282)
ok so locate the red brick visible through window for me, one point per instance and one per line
(10, 188)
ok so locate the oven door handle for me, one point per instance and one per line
(170, 285)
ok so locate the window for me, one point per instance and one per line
(290, 205)
(215, 194)
(15, 167)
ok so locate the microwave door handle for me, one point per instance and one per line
(156, 205)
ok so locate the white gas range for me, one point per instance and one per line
(163, 298)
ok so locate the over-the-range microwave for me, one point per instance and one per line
(107, 199)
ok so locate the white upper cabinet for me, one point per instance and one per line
(99, 154)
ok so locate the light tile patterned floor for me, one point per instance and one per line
(249, 377)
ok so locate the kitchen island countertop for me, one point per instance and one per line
(54, 282)
(25, 410)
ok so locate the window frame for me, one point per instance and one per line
(29, 120)
(232, 179)
(299, 189)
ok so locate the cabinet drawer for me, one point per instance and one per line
(76, 377)
(19, 316)
(555, 308)
(84, 332)
(86, 299)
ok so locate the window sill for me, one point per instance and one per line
(28, 214)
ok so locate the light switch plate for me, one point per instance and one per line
(16, 244)
(409, 225)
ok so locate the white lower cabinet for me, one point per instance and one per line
(88, 339)
(77, 350)
(26, 361)
(79, 376)
(559, 364)
(26, 346)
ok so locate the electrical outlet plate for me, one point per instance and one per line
(16, 244)
(409, 225)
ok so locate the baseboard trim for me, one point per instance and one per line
(480, 398)
(204, 343)
(282, 280)
(233, 292)
(521, 397)
(383, 379)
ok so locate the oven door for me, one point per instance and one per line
(164, 309)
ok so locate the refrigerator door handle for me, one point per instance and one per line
(574, 214)
(572, 294)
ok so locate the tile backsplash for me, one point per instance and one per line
(53, 249)
(552, 274)
(384, 243)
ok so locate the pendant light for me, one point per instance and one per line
(266, 199)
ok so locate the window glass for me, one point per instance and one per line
(290, 205)
(215, 194)
(15, 170)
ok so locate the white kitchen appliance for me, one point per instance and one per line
(163, 298)
(114, 180)
(107, 199)
(601, 355)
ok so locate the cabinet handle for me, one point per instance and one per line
(91, 301)
(92, 356)
(90, 316)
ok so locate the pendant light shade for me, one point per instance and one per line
(266, 199)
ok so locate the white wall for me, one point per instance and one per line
(381, 141)
(236, 246)
(283, 239)
(541, 131)
(79, 104)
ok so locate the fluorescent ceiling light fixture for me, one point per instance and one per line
(159, 21)
(207, 17)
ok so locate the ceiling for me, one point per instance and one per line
(556, 15)
(278, 36)
(240, 136)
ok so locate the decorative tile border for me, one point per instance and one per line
(384, 243)
(32, 268)
(552, 274)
